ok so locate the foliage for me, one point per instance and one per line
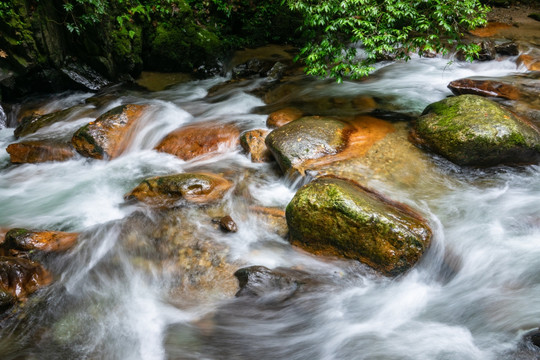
(382, 28)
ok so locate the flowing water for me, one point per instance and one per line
(473, 295)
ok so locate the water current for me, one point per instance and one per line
(473, 295)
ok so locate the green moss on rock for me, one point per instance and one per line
(472, 130)
(333, 216)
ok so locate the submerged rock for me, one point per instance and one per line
(253, 143)
(39, 151)
(199, 188)
(284, 116)
(530, 62)
(307, 138)
(206, 139)
(336, 217)
(49, 241)
(109, 135)
(21, 277)
(472, 130)
(35, 121)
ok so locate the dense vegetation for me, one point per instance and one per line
(124, 36)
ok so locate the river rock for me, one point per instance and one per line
(39, 151)
(49, 241)
(227, 224)
(273, 218)
(109, 135)
(198, 188)
(530, 62)
(252, 142)
(508, 48)
(336, 217)
(21, 277)
(472, 130)
(307, 138)
(484, 88)
(251, 68)
(203, 139)
(280, 283)
(31, 123)
(284, 116)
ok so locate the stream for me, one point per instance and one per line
(118, 294)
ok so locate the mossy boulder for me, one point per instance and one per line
(109, 135)
(337, 217)
(307, 138)
(171, 190)
(472, 130)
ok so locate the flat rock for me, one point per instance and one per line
(39, 151)
(484, 88)
(48, 241)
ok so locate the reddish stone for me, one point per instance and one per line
(484, 88)
(21, 277)
(253, 143)
(39, 151)
(22, 239)
(282, 117)
(206, 139)
(529, 61)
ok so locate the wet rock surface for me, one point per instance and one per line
(21, 277)
(109, 135)
(284, 116)
(47, 241)
(252, 142)
(39, 151)
(171, 190)
(484, 88)
(471, 130)
(35, 121)
(205, 139)
(227, 224)
(336, 217)
(307, 138)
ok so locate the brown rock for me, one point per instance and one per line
(21, 277)
(253, 143)
(227, 224)
(282, 117)
(364, 103)
(484, 88)
(39, 151)
(50, 241)
(490, 29)
(273, 217)
(165, 191)
(109, 135)
(530, 62)
(201, 139)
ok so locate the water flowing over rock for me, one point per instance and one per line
(203, 139)
(198, 188)
(48, 241)
(336, 217)
(109, 135)
(307, 138)
(284, 116)
(33, 122)
(253, 143)
(39, 151)
(529, 61)
(471, 130)
(21, 277)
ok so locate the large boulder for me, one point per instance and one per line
(199, 188)
(48, 241)
(109, 135)
(307, 138)
(204, 139)
(39, 151)
(337, 217)
(472, 130)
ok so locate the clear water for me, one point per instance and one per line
(472, 296)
